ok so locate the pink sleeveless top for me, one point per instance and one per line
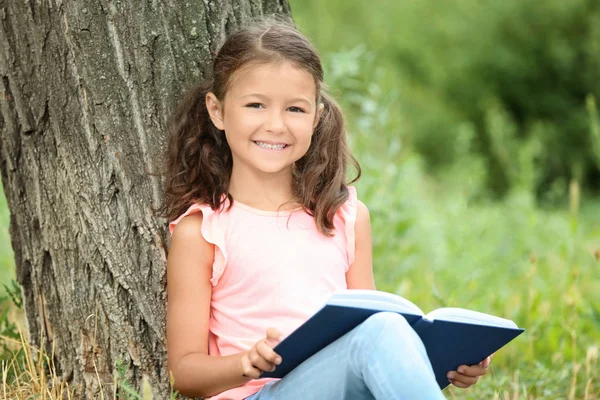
(271, 268)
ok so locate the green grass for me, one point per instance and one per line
(7, 266)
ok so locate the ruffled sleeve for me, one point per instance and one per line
(212, 232)
(347, 213)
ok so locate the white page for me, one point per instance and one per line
(469, 316)
(374, 299)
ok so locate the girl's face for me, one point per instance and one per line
(268, 115)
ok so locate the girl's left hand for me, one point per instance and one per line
(468, 375)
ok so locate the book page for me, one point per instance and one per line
(374, 299)
(470, 317)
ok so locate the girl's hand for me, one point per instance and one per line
(261, 356)
(468, 375)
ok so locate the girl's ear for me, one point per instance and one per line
(215, 110)
(320, 108)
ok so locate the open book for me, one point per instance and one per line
(452, 336)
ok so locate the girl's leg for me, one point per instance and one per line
(383, 358)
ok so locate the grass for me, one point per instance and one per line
(7, 270)
(30, 374)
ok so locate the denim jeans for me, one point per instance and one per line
(383, 358)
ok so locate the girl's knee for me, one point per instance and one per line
(382, 333)
(383, 330)
(389, 327)
(386, 320)
(383, 326)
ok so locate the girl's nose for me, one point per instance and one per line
(275, 122)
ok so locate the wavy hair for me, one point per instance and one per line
(198, 162)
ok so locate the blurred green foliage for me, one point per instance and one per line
(508, 79)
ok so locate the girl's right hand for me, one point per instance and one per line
(261, 357)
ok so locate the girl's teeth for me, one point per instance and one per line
(270, 146)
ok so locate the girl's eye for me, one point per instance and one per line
(255, 105)
(296, 109)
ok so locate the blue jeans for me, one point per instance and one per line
(383, 358)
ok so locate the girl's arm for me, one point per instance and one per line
(189, 269)
(360, 273)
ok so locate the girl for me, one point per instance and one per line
(265, 228)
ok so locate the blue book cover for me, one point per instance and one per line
(452, 336)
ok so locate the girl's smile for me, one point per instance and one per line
(270, 146)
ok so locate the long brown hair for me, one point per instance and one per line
(199, 162)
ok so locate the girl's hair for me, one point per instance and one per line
(199, 162)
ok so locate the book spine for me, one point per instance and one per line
(421, 325)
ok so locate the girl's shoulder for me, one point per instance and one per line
(345, 221)
(203, 211)
(347, 210)
(353, 205)
(207, 221)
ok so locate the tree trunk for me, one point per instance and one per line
(87, 88)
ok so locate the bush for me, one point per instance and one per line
(517, 72)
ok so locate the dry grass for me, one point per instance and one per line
(32, 373)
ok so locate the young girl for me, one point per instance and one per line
(265, 229)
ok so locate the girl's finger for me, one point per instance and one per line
(486, 363)
(273, 333)
(458, 379)
(472, 370)
(248, 370)
(273, 336)
(259, 362)
(267, 353)
(459, 384)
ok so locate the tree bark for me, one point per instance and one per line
(87, 87)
